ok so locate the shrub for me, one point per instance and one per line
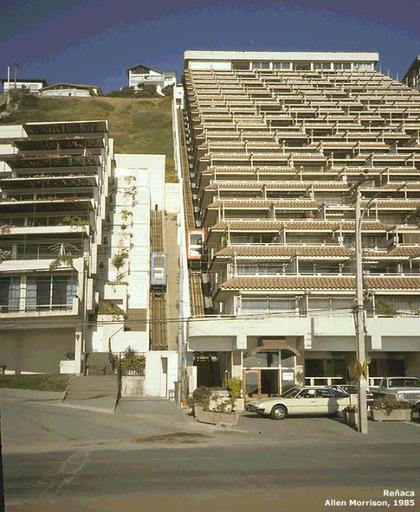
(132, 363)
(389, 403)
(234, 385)
(201, 396)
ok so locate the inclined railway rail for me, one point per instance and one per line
(158, 331)
(196, 290)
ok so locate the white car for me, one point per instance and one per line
(313, 401)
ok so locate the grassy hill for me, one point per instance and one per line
(137, 125)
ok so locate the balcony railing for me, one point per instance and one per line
(6, 308)
(373, 382)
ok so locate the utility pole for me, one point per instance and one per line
(361, 365)
(1, 475)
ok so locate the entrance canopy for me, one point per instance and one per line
(273, 346)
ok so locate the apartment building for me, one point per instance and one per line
(279, 141)
(54, 185)
(412, 75)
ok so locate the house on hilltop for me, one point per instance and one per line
(141, 75)
(26, 84)
(66, 89)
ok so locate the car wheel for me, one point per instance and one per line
(278, 412)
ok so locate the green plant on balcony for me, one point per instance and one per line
(125, 214)
(5, 229)
(385, 306)
(75, 221)
(65, 255)
(5, 255)
(118, 261)
(107, 307)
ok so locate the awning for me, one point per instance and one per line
(273, 346)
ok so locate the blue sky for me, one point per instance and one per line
(94, 41)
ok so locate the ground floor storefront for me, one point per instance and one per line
(268, 366)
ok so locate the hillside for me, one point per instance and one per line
(137, 125)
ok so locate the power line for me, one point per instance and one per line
(207, 318)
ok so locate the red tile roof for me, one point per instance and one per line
(319, 283)
(326, 226)
(265, 203)
(273, 251)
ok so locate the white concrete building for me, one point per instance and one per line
(54, 187)
(67, 89)
(278, 139)
(141, 75)
(27, 84)
(412, 75)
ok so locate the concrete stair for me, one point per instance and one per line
(93, 393)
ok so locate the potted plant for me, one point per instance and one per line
(350, 415)
(388, 408)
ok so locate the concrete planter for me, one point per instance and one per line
(239, 405)
(132, 387)
(220, 401)
(351, 418)
(226, 419)
(220, 393)
(395, 415)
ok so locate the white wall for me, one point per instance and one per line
(150, 170)
(173, 193)
(155, 385)
(83, 93)
(209, 64)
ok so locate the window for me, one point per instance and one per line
(307, 393)
(363, 66)
(342, 65)
(260, 65)
(281, 65)
(50, 292)
(9, 293)
(262, 360)
(322, 65)
(323, 393)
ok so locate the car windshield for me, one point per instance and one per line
(404, 383)
(291, 393)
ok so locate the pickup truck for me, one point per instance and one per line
(402, 388)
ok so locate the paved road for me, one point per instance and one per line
(148, 457)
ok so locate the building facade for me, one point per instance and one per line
(278, 143)
(412, 76)
(54, 189)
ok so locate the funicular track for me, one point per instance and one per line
(158, 333)
(196, 289)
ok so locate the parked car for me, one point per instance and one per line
(402, 388)
(316, 400)
(351, 389)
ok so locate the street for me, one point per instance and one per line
(166, 460)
